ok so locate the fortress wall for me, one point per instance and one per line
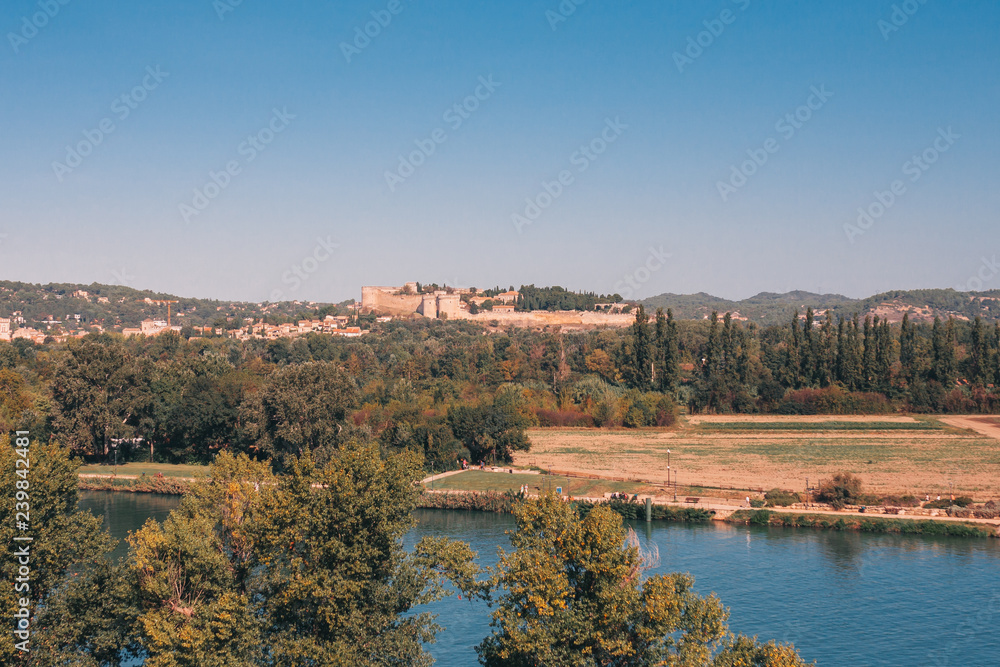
(562, 318)
(383, 300)
(449, 305)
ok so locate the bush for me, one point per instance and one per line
(842, 489)
(900, 501)
(942, 504)
(781, 498)
(963, 512)
(945, 503)
(756, 502)
(833, 400)
(760, 517)
(564, 418)
(666, 411)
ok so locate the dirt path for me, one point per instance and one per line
(988, 426)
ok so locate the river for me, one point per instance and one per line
(843, 599)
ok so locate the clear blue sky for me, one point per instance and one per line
(554, 85)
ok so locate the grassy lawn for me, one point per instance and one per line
(137, 469)
(477, 480)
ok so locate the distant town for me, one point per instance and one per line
(57, 312)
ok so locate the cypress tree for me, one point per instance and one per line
(868, 359)
(642, 357)
(907, 348)
(713, 349)
(793, 355)
(826, 357)
(671, 355)
(808, 355)
(996, 357)
(883, 356)
(841, 362)
(659, 350)
(943, 352)
(979, 354)
(729, 351)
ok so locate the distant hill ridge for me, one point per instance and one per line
(119, 305)
(769, 308)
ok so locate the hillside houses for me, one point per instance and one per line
(331, 325)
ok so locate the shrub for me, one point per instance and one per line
(756, 502)
(781, 498)
(945, 503)
(900, 501)
(760, 517)
(666, 411)
(564, 418)
(942, 504)
(842, 489)
(833, 400)
(956, 510)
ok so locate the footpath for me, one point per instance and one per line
(723, 508)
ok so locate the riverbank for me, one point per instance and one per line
(170, 486)
(503, 502)
(662, 510)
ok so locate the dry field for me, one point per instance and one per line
(891, 454)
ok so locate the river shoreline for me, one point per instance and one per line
(493, 501)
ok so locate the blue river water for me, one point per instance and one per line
(843, 599)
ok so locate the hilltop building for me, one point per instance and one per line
(452, 303)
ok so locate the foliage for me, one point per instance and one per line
(864, 524)
(302, 410)
(63, 538)
(574, 593)
(493, 430)
(99, 393)
(252, 569)
(781, 498)
(841, 489)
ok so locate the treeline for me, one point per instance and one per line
(558, 298)
(447, 391)
(808, 366)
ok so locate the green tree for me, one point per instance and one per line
(493, 429)
(100, 392)
(869, 371)
(943, 352)
(979, 353)
(302, 408)
(907, 348)
(641, 366)
(63, 537)
(335, 584)
(573, 593)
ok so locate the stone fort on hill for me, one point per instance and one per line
(406, 301)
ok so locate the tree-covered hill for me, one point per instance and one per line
(115, 306)
(768, 308)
